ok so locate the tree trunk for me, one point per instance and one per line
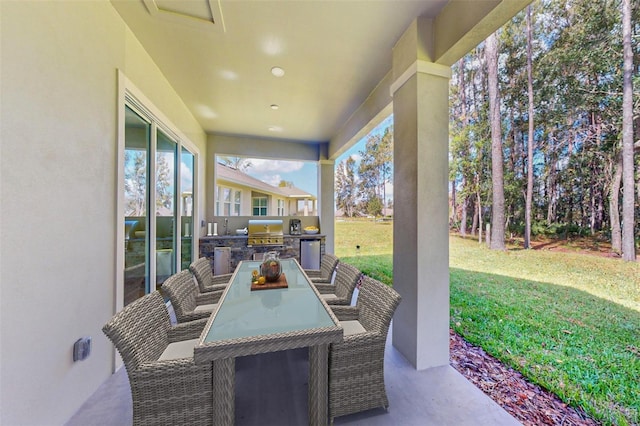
(551, 184)
(598, 183)
(465, 123)
(479, 207)
(592, 203)
(614, 207)
(497, 172)
(529, 197)
(474, 220)
(463, 216)
(454, 215)
(628, 196)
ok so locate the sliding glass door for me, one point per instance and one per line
(136, 202)
(165, 205)
(187, 177)
(158, 178)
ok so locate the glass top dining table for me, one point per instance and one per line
(248, 322)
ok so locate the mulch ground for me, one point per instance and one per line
(528, 403)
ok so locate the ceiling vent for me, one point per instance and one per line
(205, 14)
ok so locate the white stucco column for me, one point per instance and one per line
(421, 239)
(326, 202)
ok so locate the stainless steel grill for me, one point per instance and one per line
(265, 232)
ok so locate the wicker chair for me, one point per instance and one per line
(187, 303)
(340, 293)
(207, 282)
(356, 366)
(324, 275)
(166, 386)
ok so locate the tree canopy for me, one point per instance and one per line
(577, 86)
(361, 188)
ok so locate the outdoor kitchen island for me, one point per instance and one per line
(238, 238)
(240, 250)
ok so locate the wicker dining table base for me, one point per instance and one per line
(224, 371)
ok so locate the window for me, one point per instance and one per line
(227, 201)
(280, 207)
(259, 205)
(236, 203)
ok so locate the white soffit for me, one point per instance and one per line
(206, 14)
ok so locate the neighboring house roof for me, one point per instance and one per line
(232, 175)
(293, 192)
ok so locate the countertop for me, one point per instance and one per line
(226, 237)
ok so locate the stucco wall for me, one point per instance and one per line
(58, 193)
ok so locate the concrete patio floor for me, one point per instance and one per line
(271, 389)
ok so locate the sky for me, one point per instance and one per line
(304, 175)
(354, 151)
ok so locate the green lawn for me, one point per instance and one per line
(569, 322)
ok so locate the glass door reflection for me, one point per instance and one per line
(136, 176)
(186, 207)
(165, 200)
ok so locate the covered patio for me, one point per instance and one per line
(69, 69)
(272, 390)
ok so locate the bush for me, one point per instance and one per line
(558, 229)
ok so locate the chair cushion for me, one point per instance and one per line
(210, 307)
(352, 327)
(177, 350)
(328, 297)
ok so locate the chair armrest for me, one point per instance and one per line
(364, 349)
(324, 288)
(208, 298)
(320, 280)
(215, 287)
(338, 302)
(192, 316)
(366, 338)
(186, 330)
(221, 279)
(345, 313)
(172, 372)
(313, 273)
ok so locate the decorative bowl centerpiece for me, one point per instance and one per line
(311, 230)
(271, 269)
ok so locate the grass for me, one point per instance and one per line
(569, 322)
(375, 239)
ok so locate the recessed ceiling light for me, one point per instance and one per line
(228, 75)
(275, 128)
(275, 106)
(277, 71)
(272, 45)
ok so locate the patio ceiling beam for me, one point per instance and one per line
(462, 25)
(369, 114)
(459, 27)
(277, 149)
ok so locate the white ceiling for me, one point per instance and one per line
(218, 56)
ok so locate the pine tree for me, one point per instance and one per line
(347, 187)
(628, 243)
(497, 207)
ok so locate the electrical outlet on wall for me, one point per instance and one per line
(82, 348)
